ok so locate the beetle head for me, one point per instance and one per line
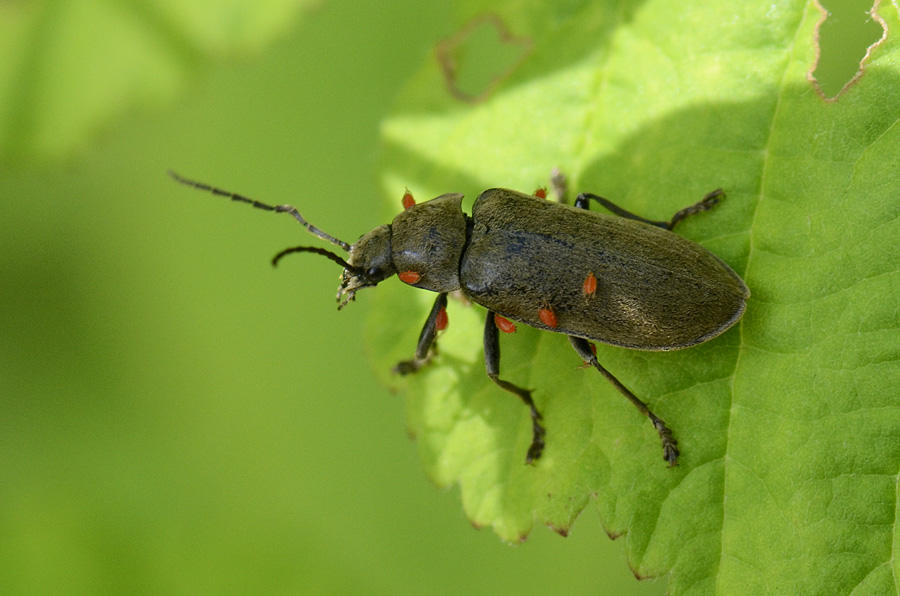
(370, 263)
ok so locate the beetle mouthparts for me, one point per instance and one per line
(351, 281)
(351, 296)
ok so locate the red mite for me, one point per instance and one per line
(548, 317)
(409, 277)
(504, 325)
(441, 321)
(408, 200)
(590, 285)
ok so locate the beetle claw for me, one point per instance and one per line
(534, 453)
(670, 454)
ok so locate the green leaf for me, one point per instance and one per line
(789, 423)
(68, 68)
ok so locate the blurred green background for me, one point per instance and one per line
(176, 417)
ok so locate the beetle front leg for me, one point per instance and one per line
(492, 364)
(426, 340)
(705, 204)
(670, 445)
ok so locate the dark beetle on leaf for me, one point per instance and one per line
(617, 279)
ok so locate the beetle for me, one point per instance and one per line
(618, 279)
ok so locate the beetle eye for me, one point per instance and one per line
(373, 272)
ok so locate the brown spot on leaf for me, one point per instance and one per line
(480, 56)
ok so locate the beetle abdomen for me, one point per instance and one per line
(605, 278)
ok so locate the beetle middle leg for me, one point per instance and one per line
(670, 445)
(426, 340)
(705, 204)
(492, 364)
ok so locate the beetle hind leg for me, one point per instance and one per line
(669, 444)
(492, 364)
(705, 204)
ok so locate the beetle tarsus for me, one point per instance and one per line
(705, 204)
(537, 438)
(670, 445)
(408, 367)
(538, 432)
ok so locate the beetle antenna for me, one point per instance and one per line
(259, 205)
(319, 251)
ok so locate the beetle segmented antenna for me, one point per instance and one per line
(319, 251)
(259, 205)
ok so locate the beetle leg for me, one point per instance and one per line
(560, 185)
(705, 204)
(492, 364)
(670, 445)
(426, 340)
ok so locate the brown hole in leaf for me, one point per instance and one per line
(478, 57)
(846, 34)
